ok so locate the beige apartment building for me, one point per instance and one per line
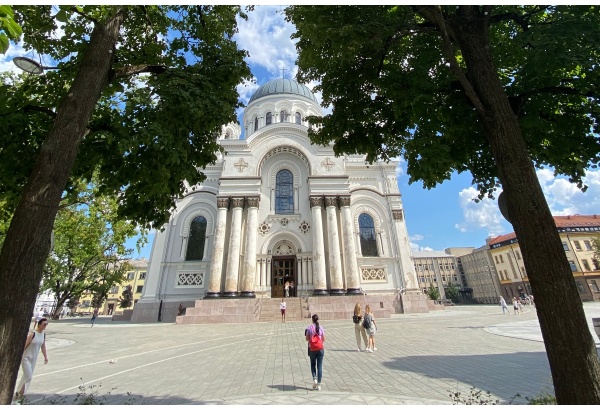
(134, 278)
(436, 268)
(576, 233)
(480, 273)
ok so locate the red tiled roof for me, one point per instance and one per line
(561, 222)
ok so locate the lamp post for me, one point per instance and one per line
(31, 66)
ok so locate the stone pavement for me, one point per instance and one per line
(420, 358)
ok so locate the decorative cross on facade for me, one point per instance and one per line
(241, 164)
(327, 164)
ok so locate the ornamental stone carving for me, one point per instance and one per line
(316, 201)
(398, 215)
(195, 279)
(330, 201)
(222, 202)
(283, 221)
(237, 202)
(252, 202)
(264, 228)
(373, 274)
(304, 227)
(344, 201)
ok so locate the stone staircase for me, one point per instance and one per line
(221, 311)
(296, 309)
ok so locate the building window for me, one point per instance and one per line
(195, 246)
(452, 265)
(580, 287)
(228, 135)
(501, 259)
(577, 245)
(588, 245)
(523, 270)
(573, 266)
(586, 265)
(515, 275)
(142, 275)
(139, 289)
(594, 285)
(565, 246)
(255, 123)
(298, 118)
(269, 118)
(368, 243)
(518, 254)
(114, 289)
(130, 275)
(496, 258)
(596, 264)
(431, 266)
(284, 192)
(283, 116)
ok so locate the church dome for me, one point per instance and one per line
(282, 86)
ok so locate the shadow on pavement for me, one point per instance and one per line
(287, 387)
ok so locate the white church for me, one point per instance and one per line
(275, 209)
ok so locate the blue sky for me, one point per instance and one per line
(443, 217)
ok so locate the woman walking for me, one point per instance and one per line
(282, 306)
(369, 320)
(359, 329)
(315, 335)
(36, 340)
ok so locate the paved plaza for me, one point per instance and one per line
(420, 358)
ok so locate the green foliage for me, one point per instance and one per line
(433, 293)
(596, 247)
(393, 92)
(172, 86)
(9, 29)
(98, 300)
(452, 292)
(89, 248)
(72, 303)
(126, 299)
(475, 397)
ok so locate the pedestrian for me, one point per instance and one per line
(503, 304)
(293, 289)
(180, 310)
(35, 341)
(359, 329)
(515, 303)
(371, 328)
(286, 286)
(94, 316)
(315, 335)
(38, 316)
(282, 307)
(520, 306)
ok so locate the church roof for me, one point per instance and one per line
(283, 86)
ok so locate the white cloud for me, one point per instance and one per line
(482, 215)
(415, 246)
(266, 36)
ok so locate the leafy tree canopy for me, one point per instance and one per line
(171, 88)
(452, 292)
(9, 28)
(394, 91)
(433, 293)
(126, 299)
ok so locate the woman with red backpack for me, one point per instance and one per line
(315, 335)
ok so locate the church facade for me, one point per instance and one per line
(275, 209)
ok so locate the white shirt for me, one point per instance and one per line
(282, 305)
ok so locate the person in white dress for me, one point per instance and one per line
(36, 341)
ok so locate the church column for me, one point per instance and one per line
(233, 262)
(216, 264)
(350, 264)
(409, 276)
(320, 281)
(304, 273)
(268, 282)
(263, 274)
(335, 263)
(250, 254)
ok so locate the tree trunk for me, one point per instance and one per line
(569, 345)
(27, 242)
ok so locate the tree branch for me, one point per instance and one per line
(82, 14)
(30, 107)
(131, 70)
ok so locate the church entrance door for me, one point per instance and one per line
(283, 269)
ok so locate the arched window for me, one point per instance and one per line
(195, 246)
(255, 123)
(269, 118)
(283, 115)
(228, 135)
(298, 118)
(284, 192)
(368, 242)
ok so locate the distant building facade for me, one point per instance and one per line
(436, 268)
(480, 273)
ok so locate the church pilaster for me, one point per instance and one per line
(216, 265)
(248, 286)
(350, 264)
(335, 262)
(320, 281)
(410, 281)
(233, 262)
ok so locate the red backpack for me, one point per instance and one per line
(315, 343)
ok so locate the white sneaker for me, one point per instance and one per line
(374, 348)
(319, 386)
(358, 349)
(369, 351)
(315, 384)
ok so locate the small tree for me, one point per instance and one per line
(126, 299)
(433, 292)
(452, 292)
(98, 300)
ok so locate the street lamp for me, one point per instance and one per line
(31, 66)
